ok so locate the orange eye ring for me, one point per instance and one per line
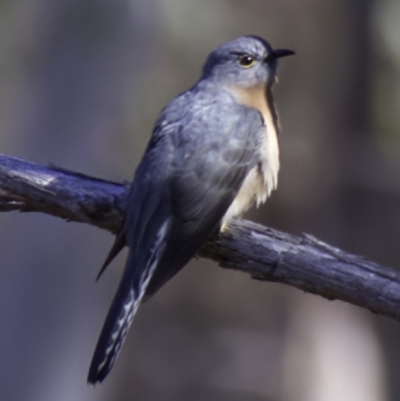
(247, 61)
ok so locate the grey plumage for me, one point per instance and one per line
(204, 144)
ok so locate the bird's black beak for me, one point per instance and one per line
(279, 53)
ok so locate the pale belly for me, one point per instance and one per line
(259, 182)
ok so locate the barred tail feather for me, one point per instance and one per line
(129, 296)
(114, 332)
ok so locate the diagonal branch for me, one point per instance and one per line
(266, 254)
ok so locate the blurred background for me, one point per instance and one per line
(81, 83)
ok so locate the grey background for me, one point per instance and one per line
(81, 83)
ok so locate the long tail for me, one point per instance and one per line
(138, 272)
(115, 329)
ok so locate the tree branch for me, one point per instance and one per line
(266, 254)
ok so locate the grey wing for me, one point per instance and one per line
(207, 175)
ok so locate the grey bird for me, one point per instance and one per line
(213, 154)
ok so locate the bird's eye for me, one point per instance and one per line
(247, 61)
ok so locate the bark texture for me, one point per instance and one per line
(266, 254)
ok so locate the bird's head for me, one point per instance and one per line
(247, 61)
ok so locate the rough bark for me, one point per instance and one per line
(266, 254)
